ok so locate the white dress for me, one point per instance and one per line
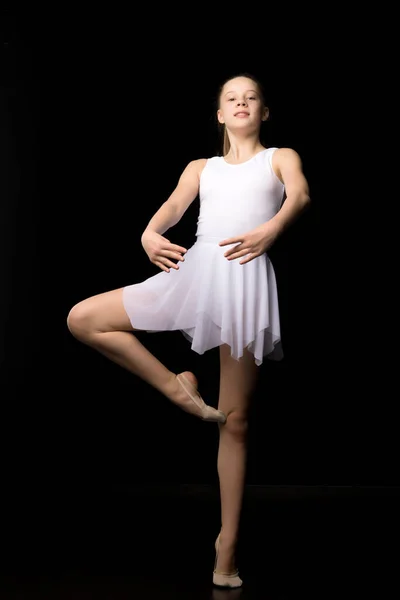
(211, 300)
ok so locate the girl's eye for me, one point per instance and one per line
(249, 98)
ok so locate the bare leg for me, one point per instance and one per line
(102, 323)
(237, 383)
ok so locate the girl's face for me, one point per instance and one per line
(241, 105)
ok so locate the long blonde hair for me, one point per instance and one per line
(225, 143)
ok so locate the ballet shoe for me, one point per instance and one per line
(198, 407)
(226, 580)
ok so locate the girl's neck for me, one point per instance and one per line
(244, 151)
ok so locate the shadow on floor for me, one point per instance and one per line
(158, 542)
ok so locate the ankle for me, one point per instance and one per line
(227, 540)
(171, 386)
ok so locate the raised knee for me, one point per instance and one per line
(237, 423)
(78, 320)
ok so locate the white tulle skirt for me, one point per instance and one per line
(212, 301)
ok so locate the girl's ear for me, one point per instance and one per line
(220, 117)
(265, 114)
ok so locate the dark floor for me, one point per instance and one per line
(158, 542)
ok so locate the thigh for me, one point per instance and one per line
(238, 380)
(101, 313)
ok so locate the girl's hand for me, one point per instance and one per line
(160, 250)
(251, 244)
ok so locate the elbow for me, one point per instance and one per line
(175, 213)
(299, 197)
(304, 200)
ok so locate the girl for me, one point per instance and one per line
(220, 293)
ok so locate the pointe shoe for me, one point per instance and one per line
(227, 580)
(200, 408)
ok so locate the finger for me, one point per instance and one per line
(176, 248)
(248, 259)
(175, 255)
(239, 254)
(168, 263)
(236, 248)
(161, 266)
(231, 241)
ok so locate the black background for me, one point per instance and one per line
(99, 116)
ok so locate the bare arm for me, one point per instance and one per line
(159, 249)
(187, 189)
(288, 167)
